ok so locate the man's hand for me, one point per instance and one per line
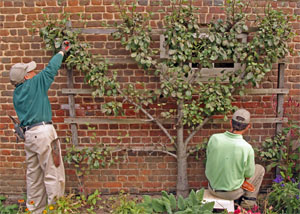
(65, 46)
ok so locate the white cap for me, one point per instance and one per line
(242, 116)
(18, 71)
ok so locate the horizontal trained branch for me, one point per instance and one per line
(127, 60)
(154, 31)
(268, 91)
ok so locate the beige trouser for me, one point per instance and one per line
(44, 180)
(256, 180)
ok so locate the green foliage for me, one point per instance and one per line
(187, 43)
(282, 150)
(268, 45)
(7, 209)
(55, 31)
(72, 203)
(284, 198)
(182, 35)
(68, 204)
(134, 33)
(200, 150)
(91, 202)
(89, 158)
(168, 203)
(113, 107)
(193, 204)
(124, 205)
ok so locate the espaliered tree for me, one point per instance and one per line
(197, 102)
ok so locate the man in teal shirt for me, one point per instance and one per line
(45, 175)
(230, 161)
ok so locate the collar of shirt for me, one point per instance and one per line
(232, 135)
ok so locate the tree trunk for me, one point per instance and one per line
(182, 178)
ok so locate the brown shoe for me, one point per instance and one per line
(248, 203)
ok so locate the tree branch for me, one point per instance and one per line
(196, 130)
(152, 119)
(145, 149)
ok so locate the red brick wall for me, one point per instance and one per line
(141, 172)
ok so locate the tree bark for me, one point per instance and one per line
(182, 187)
(182, 178)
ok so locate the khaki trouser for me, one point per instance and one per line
(44, 180)
(256, 180)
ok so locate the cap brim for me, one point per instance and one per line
(30, 66)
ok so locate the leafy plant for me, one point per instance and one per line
(7, 209)
(284, 198)
(66, 204)
(54, 31)
(193, 204)
(91, 202)
(72, 203)
(88, 158)
(168, 203)
(282, 150)
(124, 205)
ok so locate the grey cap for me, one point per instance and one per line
(242, 116)
(18, 71)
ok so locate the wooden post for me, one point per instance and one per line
(280, 101)
(280, 97)
(72, 100)
(72, 108)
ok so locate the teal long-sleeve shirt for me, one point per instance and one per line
(30, 98)
(230, 159)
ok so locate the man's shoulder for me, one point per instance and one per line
(246, 145)
(217, 135)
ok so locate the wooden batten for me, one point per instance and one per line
(165, 121)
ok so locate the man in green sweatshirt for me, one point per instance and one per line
(45, 176)
(230, 161)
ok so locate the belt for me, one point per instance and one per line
(215, 190)
(26, 128)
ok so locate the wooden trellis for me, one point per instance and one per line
(280, 91)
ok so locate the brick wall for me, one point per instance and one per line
(141, 172)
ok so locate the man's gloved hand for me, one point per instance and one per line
(65, 46)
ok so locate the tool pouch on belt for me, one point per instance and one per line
(18, 130)
(55, 152)
(248, 186)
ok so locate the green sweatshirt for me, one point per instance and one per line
(31, 97)
(230, 159)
